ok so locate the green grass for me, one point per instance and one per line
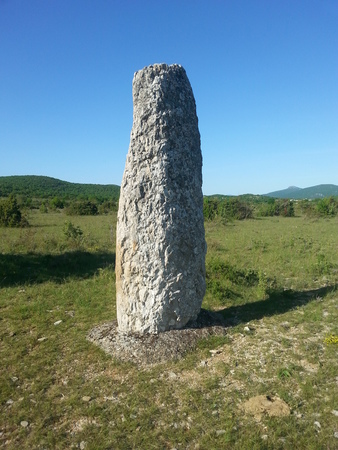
(276, 276)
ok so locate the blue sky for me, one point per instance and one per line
(263, 72)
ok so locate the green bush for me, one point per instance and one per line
(10, 214)
(72, 232)
(107, 206)
(234, 208)
(327, 207)
(210, 208)
(56, 203)
(83, 208)
(286, 208)
(228, 209)
(274, 207)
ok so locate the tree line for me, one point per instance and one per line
(248, 207)
(224, 208)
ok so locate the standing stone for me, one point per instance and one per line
(160, 246)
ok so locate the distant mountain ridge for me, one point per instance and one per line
(44, 187)
(311, 193)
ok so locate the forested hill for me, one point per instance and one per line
(47, 187)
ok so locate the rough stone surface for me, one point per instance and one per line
(160, 244)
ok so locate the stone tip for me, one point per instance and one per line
(157, 67)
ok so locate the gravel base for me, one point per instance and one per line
(150, 349)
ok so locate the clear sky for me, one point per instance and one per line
(263, 72)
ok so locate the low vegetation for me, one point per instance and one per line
(249, 206)
(274, 279)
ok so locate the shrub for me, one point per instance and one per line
(227, 209)
(56, 203)
(72, 232)
(234, 208)
(84, 208)
(107, 206)
(10, 214)
(210, 208)
(286, 208)
(327, 207)
(273, 207)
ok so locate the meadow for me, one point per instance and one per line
(274, 279)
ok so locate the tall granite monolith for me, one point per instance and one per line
(160, 245)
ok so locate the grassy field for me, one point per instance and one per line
(274, 280)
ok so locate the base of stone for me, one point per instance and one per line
(150, 349)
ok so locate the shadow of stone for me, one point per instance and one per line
(277, 303)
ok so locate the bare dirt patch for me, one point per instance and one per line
(150, 349)
(263, 404)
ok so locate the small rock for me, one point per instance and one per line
(215, 352)
(264, 437)
(86, 398)
(172, 375)
(335, 412)
(220, 432)
(203, 363)
(9, 402)
(317, 424)
(21, 291)
(83, 445)
(24, 423)
(57, 322)
(335, 434)
(247, 329)
(14, 379)
(41, 339)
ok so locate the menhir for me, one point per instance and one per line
(160, 247)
